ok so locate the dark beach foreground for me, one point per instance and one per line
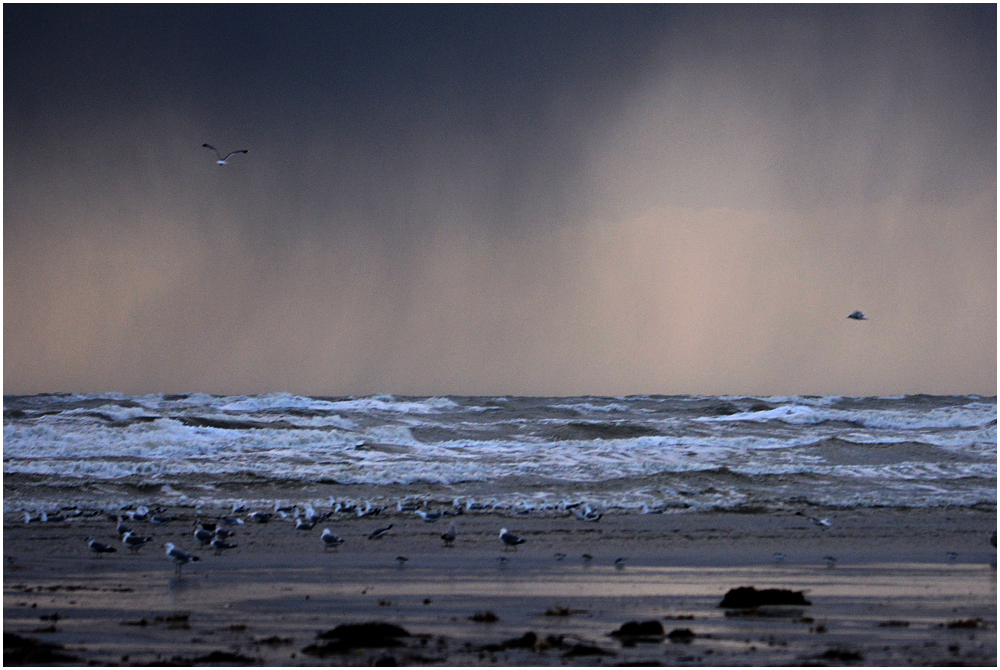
(908, 587)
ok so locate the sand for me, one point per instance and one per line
(894, 596)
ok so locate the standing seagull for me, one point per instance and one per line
(509, 539)
(329, 539)
(450, 536)
(203, 535)
(221, 545)
(179, 557)
(222, 161)
(100, 548)
(134, 542)
(857, 316)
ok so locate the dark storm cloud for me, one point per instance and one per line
(461, 199)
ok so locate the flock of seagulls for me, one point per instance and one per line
(216, 534)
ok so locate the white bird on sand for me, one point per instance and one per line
(588, 514)
(429, 517)
(222, 161)
(134, 542)
(178, 556)
(329, 539)
(509, 539)
(857, 316)
(450, 536)
(823, 523)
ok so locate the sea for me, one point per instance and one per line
(517, 455)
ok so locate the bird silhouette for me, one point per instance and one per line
(221, 160)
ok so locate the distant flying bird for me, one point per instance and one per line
(857, 316)
(222, 161)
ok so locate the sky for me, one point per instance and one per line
(485, 200)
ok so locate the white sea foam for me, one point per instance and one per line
(873, 450)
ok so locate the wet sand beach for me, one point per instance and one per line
(908, 587)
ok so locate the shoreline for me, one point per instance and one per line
(888, 600)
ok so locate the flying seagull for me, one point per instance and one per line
(857, 316)
(222, 161)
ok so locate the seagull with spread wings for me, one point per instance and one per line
(221, 160)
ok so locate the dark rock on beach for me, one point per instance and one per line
(684, 635)
(747, 597)
(635, 631)
(19, 650)
(223, 657)
(346, 637)
(581, 649)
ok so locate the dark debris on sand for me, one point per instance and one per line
(224, 657)
(19, 650)
(634, 631)
(347, 637)
(747, 597)
(531, 641)
(841, 656)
